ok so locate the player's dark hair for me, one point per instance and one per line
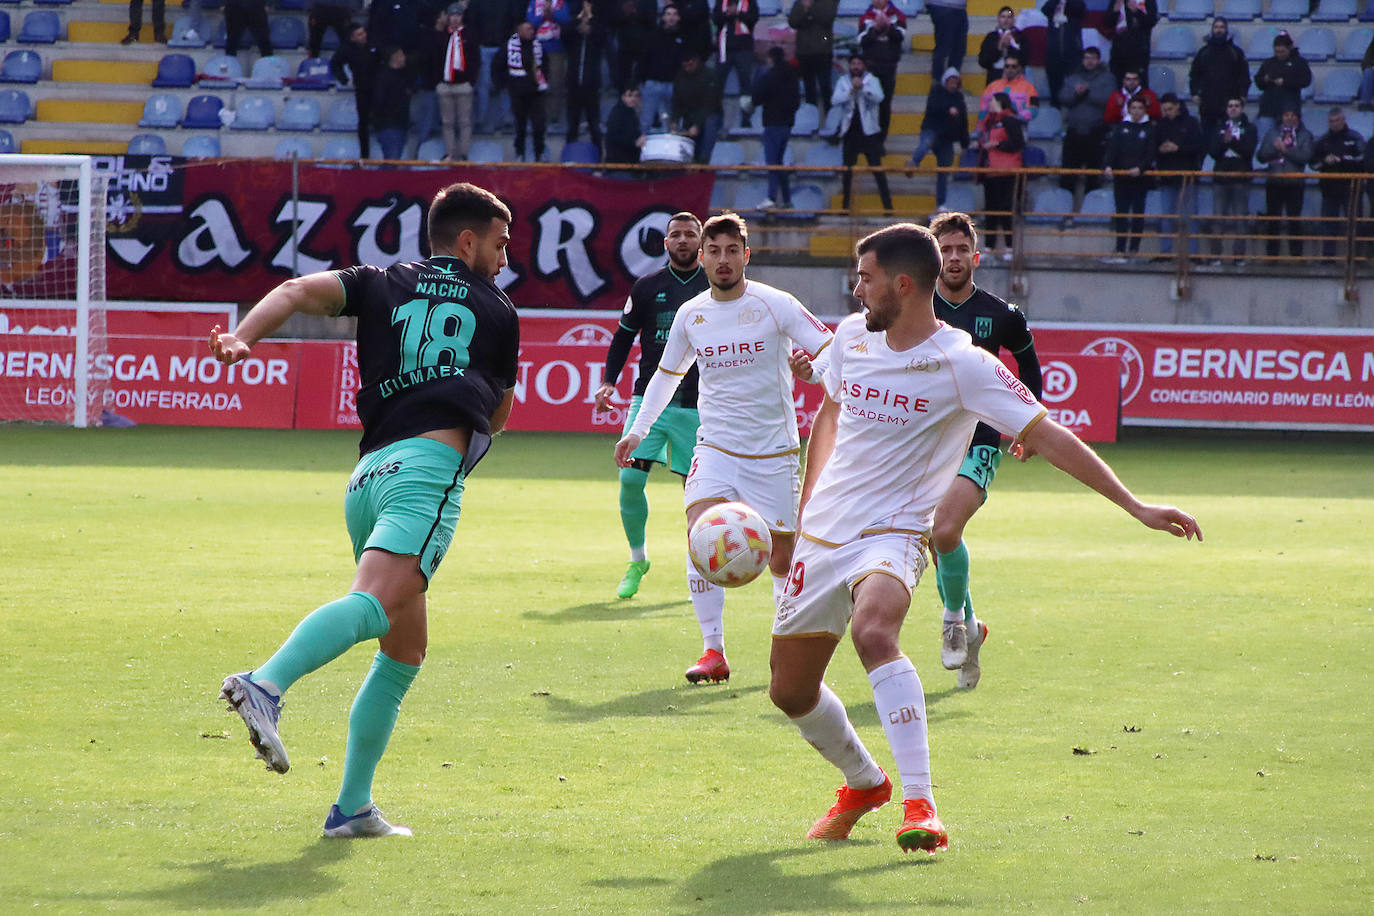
(952, 221)
(727, 223)
(685, 216)
(459, 207)
(905, 248)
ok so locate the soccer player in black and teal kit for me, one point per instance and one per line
(994, 325)
(648, 314)
(437, 352)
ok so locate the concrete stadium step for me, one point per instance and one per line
(85, 111)
(87, 147)
(104, 71)
(107, 33)
(913, 84)
(906, 204)
(925, 42)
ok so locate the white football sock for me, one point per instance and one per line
(828, 729)
(708, 601)
(902, 709)
(639, 554)
(955, 616)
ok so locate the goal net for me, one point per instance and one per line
(52, 289)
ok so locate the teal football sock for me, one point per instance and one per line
(634, 505)
(326, 633)
(369, 728)
(951, 578)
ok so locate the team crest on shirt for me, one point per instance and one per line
(982, 326)
(661, 296)
(1015, 384)
(750, 316)
(700, 319)
(924, 364)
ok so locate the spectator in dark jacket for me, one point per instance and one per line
(245, 16)
(735, 21)
(1130, 23)
(1340, 149)
(391, 102)
(355, 64)
(1063, 41)
(1083, 99)
(494, 21)
(585, 43)
(777, 98)
(882, 39)
(634, 22)
(697, 110)
(1281, 80)
(1130, 157)
(698, 35)
(395, 23)
(528, 87)
(1286, 150)
(338, 15)
(1219, 72)
(624, 139)
(1178, 148)
(1006, 37)
(660, 62)
(814, 23)
(1232, 148)
(944, 127)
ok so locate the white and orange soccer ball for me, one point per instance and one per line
(729, 544)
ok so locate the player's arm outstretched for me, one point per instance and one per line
(315, 294)
(1064, 450)
(678, 356)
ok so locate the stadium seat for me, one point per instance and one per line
(1339, 87)
(147, 145)
(1361, 122)
(1286, 11)
(1163, 79)
(41, 27)
(1335, 11)
(789, 157)
(749, 194)
(1033, 157)
(342, 117)
(1190, 10)
(299, 114)
(1260, 46)
(727, 153)
(831, 127)
(1041, 81)
(4, 26)
(1318, 44)
(1176, 42)
(175, 71)
(1050, 205)
(202, 113)
(855, 8)
(580, 151)
(201, 147)
(161, 110)
(962, 197)
(807, 122)
(53, 2)
(1098, 206)
(1353, 45)
(182, 36)
(770, 8)
(254, 113)
(221, 70)
(1046, 124)
(967, 159)
(293, 148)
(1240, 10)
(7, 144)
(432, 150)
(287, 32)
(487, 151)
(22, 66)
(822, 155)
(809, 198)
(343, 148)
(722, 195)
(15, 107)
(221, 36)
(312, 75)
(268, 73)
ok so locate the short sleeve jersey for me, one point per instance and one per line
(740, 347)
(903, 428)
(437, 348)
(649, 311)
(994, 324)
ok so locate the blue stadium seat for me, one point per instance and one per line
(15, 107)
(1033, 157)
(7, 144)
(4, 26)
(580, 151)
(175, 71)
(161, 110)
(293, 148)
(147, 145)
(201, 147)
(202, 113)
(1098, 206)
(182, 28)
(287, 32)
(347, 148)
(1163, 79)
(312, 75)
(807, 122)
(1318, 44)
(855, 8)
(22, 66)
(722, 195)
(788, 158)
(221, 70)
(268, 73)
(728, 153)
(1190, 10)
(342, 117)
(770, 8)
(809, 198)
(432, 150)
(822, 155)
(1260, 46)
(1176, 42)
(749, 194)
(1240, 10)
(1354, 43)
(1361, 122)
(1050, 205)
(1339, 87)
(487, 151)
(1286, 11)
(831, 127)
(1335, 11)
(963, 198)
(255, 112)
(1046, 124)
(41, 27)
(221, 37)
(299, 114)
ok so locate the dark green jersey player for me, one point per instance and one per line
(994, 325)
(648, 315)
(437, 348)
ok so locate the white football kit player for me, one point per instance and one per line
(747, 445)
(904, 425)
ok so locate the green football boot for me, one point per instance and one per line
(629, 584)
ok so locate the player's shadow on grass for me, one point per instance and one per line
(248, 885)
(667, 701)
(604, 610)
(759, 883)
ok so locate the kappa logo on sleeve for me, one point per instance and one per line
(1015, 384)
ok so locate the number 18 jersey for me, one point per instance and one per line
(437, 348)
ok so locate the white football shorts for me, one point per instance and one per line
(772, 486)
(819, 596)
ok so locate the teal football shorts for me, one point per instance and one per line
(671, 439)
(980, 465)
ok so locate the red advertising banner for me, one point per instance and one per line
(230, 229)
(1218, 377)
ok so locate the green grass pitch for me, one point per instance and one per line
(552, 759)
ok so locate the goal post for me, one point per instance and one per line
(52, 289)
